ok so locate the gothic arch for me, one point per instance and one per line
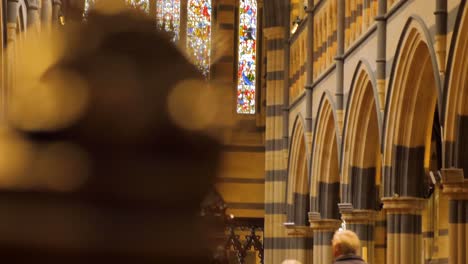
(412, 101)
(456, 97)
(325, 178)
(297, 187)
(361, 147)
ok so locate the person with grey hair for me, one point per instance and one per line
(346, 247)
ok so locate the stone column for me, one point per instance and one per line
(46, 14)
(56, 6)
(455, 186)
(10, 72)
(404, 236)
(362, 222)
(34, 17)
(381, 51)
(323, 231)
(301, 243)
(275, 163)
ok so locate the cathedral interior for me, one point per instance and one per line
(233, 131)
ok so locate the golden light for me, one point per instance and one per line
(191, 104)
(49, 105)
(16, 155)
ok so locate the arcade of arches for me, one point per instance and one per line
(359, 116)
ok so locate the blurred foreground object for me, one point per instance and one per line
(111, 152)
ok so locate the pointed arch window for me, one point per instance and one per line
(168, 16)
(199, 33)
(247, 52)
(142, 5)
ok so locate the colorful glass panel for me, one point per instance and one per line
(168, 16)
(246, 71)
(142, 5)
(199, 33)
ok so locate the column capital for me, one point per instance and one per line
(454, 184)
(404, 204)
(274, 32)
(316, 223)
(298, 231)
(356, 216)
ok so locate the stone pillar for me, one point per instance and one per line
(301, 243)
(34, 17)
(56, 9)
(440, 44)
(362, 222)
(10, 72)
(339, 61)
(404, 223)
(46, 14)
(323, 231)
(455, 186)
(381, 51)
(309, 74)
(275, 163)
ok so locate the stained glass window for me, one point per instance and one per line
(142, 5)
(247, 55)
(168, 16)
(199, 33)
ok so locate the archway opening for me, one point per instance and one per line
(410, 120)
(361, 161)
(298, 196)
(326, 180)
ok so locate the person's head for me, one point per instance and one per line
(345, 242)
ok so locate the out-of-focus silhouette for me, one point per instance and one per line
(114, 149)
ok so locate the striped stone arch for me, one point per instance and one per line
(325, 179)
(297, 186)
(360, 174)
(411, 104)
(456, 97)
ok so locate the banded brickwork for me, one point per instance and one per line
(276, 239)
(297, 63)
(325, 36)
(359, 16)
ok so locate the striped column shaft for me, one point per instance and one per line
(362, 222)
(323, 231)
(380, 246)
(455, 186)
(277, 242)
(301, 244)
(404, 235)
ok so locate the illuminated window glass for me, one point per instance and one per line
(142, 5)
(139, 4)
(246, 71)
(168, 16)
(88, 5)
(199, 33)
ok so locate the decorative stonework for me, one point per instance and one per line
(403, 204)
(298, 231)
(454, 184)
